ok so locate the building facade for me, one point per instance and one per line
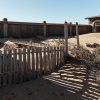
(94, 22)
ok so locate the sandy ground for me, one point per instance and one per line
(86, 38)
(72, 81)
(54, 41)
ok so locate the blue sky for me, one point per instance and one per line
(52, 11)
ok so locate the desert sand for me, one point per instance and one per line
(73, 81)
(86, 38)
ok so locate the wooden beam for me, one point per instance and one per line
(77, 34)
(66, 38)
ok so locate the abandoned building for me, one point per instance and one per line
(94, 22)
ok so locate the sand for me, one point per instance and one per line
(72, 81)
(86, 38)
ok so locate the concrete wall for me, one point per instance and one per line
(29, 30)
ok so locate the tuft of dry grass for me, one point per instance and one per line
(90, 58)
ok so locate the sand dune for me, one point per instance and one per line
(86, 38)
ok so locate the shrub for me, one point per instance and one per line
(90, 58)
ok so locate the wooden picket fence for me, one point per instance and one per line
(20, 65)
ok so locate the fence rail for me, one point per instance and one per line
(19, 65)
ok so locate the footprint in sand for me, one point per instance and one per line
(32, 92)
(49, 83)
(6, 98)
(13, 95)
(58, 94)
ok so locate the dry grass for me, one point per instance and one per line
(89, 58)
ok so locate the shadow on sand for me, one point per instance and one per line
(76, 79)
(72, 81)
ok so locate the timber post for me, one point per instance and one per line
(70, 28)
(66, 38)
(77, 35)
(44, 29)
(5, 27)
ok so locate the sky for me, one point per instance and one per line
(51, 11)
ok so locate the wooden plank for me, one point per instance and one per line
(33, 64)
(63, 54)
(51, 59)
(41, 63)
(77, 34)
(58, 56)
(63, 59)
(47, 61)
(44, 28)
(66, 38)
(9, 66)
(54, 57)
(5, 68)
(3, 79)
(24, 64)
(70, 28)
(15, 66)
(52, 52)
(48, 55)
(0, 69)
(28, 64)
(6, 65)
(44, 60)
(60, 53)
(20, 66)
(12, 65)
(37, 70)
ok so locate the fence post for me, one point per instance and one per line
(66, 38)
(70, 28)
(77, 34)
(5, 27)
(44, 28)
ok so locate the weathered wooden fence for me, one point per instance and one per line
(30, 30)
(19, 65)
